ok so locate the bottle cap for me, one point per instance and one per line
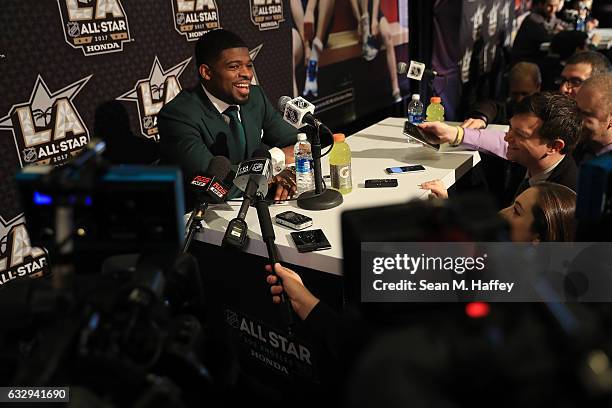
(339, 137)
(301, 137)
(416, 97)
(436, 99)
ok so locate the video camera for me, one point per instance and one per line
(121, 314)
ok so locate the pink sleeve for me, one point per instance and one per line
(488, 141)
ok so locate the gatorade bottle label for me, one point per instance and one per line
(341, 176)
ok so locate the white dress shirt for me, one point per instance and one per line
(276, 154)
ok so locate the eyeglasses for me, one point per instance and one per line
(571, 82)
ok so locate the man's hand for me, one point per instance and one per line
(286, 186)
(437, 189)
(289, 154)
(439, 132)
(300, 297)
(473, 123)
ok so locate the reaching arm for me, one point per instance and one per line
(489, 141)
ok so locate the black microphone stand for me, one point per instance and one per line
(194, 225)
(319, 198)
(267, 233)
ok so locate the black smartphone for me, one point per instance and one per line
(294, 220)
(415, 133)
(379, 183)
(405, 169)
(311, 240)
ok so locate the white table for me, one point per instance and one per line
(373, 149)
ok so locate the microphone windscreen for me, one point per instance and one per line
(282, 103)
(219, 167)
(261, 154)
(402, 68)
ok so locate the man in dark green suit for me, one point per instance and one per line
(225, 115)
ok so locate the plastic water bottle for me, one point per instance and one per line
(340, 165)
(304, 175)
(435, 110)
(415, 110)
(580, 24)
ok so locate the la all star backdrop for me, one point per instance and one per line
(62, 61)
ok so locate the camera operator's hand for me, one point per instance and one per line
(437, 189)
(439, 132)
(301, 299)
(286, 187)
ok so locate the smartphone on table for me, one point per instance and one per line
(310, 240)
(293, 220)
(413, 168)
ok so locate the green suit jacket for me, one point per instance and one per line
(192, 131)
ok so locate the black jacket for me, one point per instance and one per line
(566, 174)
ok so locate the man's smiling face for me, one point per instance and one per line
(229, 78)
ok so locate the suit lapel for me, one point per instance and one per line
(251, 129)
(218, 128)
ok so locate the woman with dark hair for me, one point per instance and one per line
(542, 213)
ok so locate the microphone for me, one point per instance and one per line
(416, 70)
(207, 190)
(252, 178)
(90, 157)
(211, 189)
(94, 149)
(297, 112)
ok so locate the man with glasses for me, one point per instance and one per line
(580, 67)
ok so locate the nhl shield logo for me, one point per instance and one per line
(147, 122)
(73, 29)
(180, 18)
(232, 319)
(292, 116)
(29, 155)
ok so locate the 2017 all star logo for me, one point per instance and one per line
(193, 18)
(267, 14)
(48, 128)
(94, 26)
(152, 93)
(17, 257)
